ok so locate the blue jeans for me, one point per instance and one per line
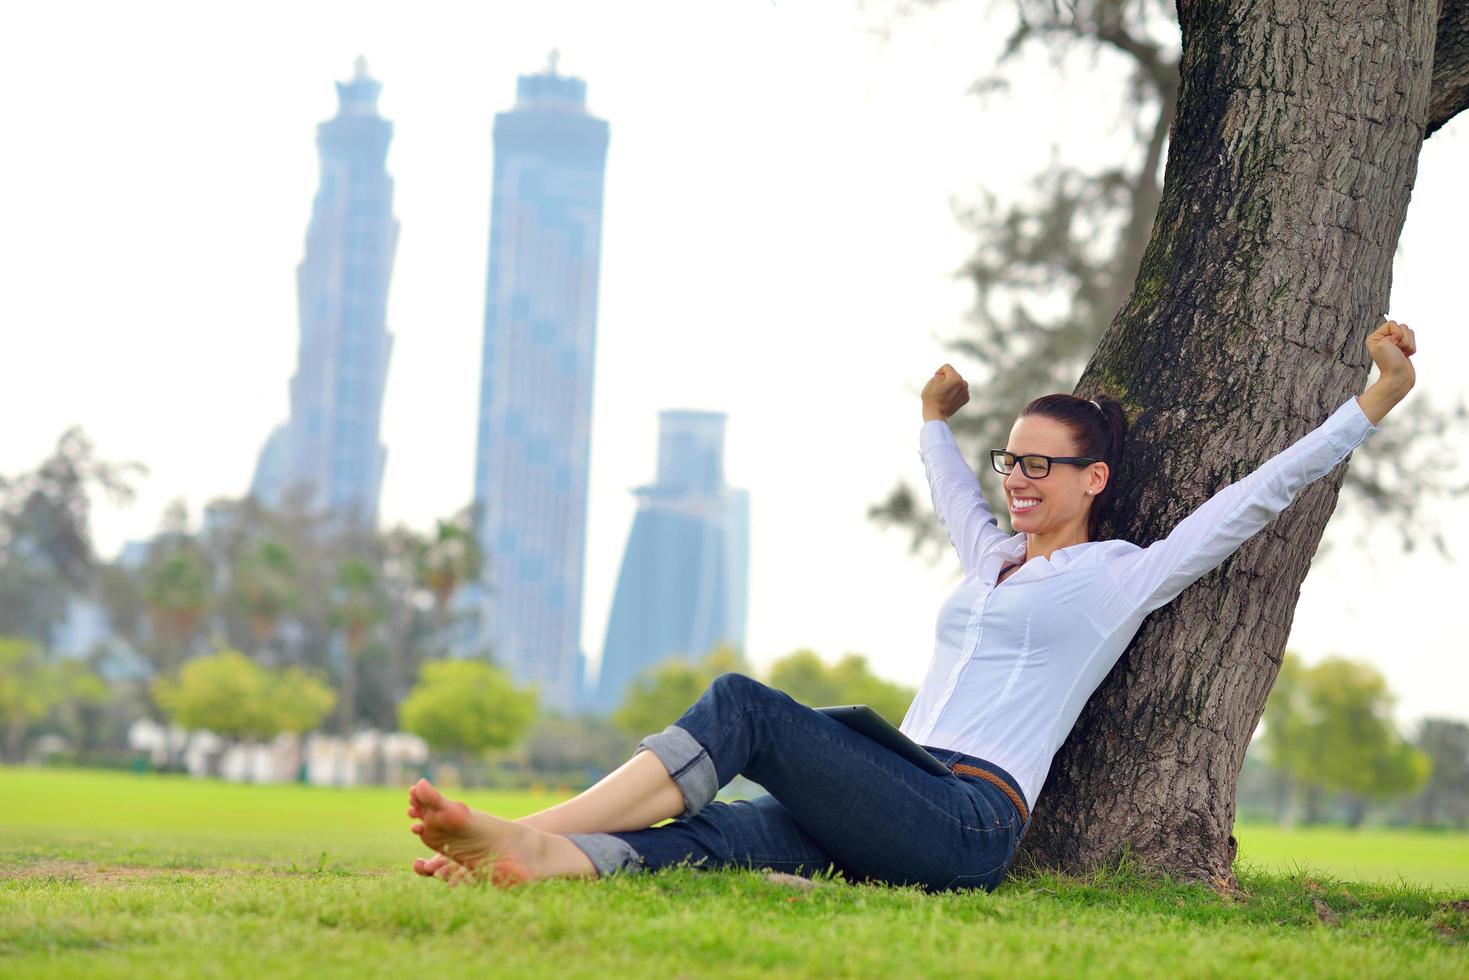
(836, 799)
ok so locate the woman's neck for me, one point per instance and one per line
(1047, 544)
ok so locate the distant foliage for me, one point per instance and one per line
(299, 700)
(663, 693)
(235, 697)
(1446, 795)
(448, 560)
(1329, 728)
(46, 550)
(807, 678)
(573, 749)
(287, 586)
(467, 706)
(34, 685)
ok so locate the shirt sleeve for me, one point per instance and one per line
(1151, 577)
(957, 498)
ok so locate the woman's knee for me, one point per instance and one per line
(740, 686)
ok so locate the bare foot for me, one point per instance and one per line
(507, 853)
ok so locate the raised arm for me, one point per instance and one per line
(1152, 577)
(957, 498)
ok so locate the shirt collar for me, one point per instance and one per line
(1012, 550)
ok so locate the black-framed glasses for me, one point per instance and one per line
(1033, 465)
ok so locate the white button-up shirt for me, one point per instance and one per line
(1013, 664)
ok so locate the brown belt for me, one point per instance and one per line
(964, 769)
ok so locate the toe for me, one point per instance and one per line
(449, 871)
(425, 796)
(430, 868)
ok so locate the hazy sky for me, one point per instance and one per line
(779, 244)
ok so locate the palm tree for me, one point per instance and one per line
(357, 605)
(450, 559)
(265, 582)
(177, 590)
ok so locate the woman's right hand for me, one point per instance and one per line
(945, 393)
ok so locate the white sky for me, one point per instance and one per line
(779, 244)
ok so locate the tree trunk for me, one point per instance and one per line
(1315, 797)
(1427, 809)
(347, 716)
(14, 739)
(1283, 787)
(1291, 161)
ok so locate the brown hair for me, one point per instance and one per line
(1099, 428)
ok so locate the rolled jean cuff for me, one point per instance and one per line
(608, 854)
(688, 763)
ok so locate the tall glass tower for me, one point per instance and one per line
(682, 587)
(534, 437)
(328, 452)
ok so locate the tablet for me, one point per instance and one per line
(863, 720)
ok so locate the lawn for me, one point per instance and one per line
(112, 874)
(1420, 857)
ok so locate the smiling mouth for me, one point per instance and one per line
(1018, 504)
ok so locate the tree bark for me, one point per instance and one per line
(1289, 170)
(1449, 94)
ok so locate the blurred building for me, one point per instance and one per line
(535, 408)
(328, 452)
(682, 587)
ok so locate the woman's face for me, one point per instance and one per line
(1063, 496)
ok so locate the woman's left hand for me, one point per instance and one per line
(1391, 346)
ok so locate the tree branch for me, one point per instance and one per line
(1449, 93)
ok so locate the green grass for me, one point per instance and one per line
(112, 874)
(1421, 857)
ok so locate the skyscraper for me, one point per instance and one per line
(682, 587)
(329, 451)
(534, 437)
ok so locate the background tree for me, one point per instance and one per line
(1267, 214)
(34, 684)
(236, 698)
(1446, 794)
(178, 589)
(1337, 736)
(575, 749)
(226, 693)
(807, 678)
(46, 550)
(447, 561)
(297, 701)
(277, 568)
(660, 694)
(264, 584)
(358, 604)
(1357, 749)
(1050, 271)
(290, 588)
(1282, 743)
(465, 707)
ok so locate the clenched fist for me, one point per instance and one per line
(944, 394)
(1391, 346)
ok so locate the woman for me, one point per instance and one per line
(1034, 627)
